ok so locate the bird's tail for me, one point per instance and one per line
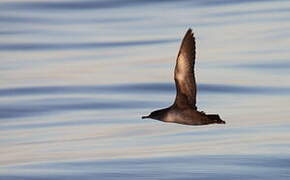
(216, 118)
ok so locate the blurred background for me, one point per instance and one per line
(76, 76)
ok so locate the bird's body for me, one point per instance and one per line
(183, 110)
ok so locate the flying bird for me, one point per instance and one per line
(184, 110)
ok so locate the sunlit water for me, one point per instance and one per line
(76, 76)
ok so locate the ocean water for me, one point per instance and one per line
(76, 77)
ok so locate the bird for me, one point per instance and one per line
(184, 110)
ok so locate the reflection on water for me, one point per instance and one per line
(76, 76)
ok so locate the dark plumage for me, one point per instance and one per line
(184, 110)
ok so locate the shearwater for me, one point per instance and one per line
(184, 110)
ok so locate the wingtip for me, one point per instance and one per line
(189, 32)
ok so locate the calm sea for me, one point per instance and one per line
(76, 76)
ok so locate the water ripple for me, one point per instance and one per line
(92, 45)
(75, 5)
(248, 12)
(101, 4)
(274, 64)
(186, 167)
(25, 109)
(143, 88)
(61, 21)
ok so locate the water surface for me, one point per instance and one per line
(76, 76)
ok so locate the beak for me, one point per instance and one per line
(144, 117)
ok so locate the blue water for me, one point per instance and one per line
(76, 76)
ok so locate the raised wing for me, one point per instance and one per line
(184, 72)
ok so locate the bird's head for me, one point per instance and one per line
(155, 115)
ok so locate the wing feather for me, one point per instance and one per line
(184, 72)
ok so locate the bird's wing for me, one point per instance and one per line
(184, 72)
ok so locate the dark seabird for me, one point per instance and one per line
(184, 110)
